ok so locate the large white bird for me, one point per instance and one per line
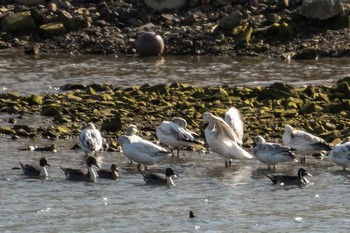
(131, 132)
(271, 153)
(90, 139)
(304, 142)
(234, 118)
(175, 134)
(143, 152)
(340, 154)
(222, 139)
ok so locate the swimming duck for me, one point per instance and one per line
(142, 152)
(340, 154)
(34, 171)
(175, 134)
(80, 175)
(271, 153)
(223, 140)
(234, 118)
(90, 139)
(111, 174)
(156, 179)
(304, 142)
(299, 180)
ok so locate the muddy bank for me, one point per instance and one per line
(217, 27)
(322, 110)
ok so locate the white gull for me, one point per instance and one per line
(271, 153)
(222, 139)
(175, 134)
(90, 139)
(340, 154)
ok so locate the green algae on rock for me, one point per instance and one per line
(323, 110)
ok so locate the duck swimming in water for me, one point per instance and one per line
(111, 174)
(81, 175)
(156, 179)
(299, 180)
(35, 171)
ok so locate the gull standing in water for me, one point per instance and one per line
(271, 153)
(175, 134)
(340, 154)
(304, 142)
(34, 171)
(131, 132)
(142, 152)
(223, 140)
(90, 139)
(80, 175)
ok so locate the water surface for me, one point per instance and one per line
(45, 73)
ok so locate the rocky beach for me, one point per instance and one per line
(287, 29)
(270, 28)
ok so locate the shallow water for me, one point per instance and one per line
(235, 199)
(46, 73)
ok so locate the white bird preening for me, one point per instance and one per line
(90, 139)
(340, 154)
(143, 152)
(223, 140)
(175, 134)
(234, 118)
(271, 153)
(304, 142)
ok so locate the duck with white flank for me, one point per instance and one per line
(90, 139)
(111, 174)
(34, 171)
(271, 153)
(304, 142)
(223, 140)
(142, 152)
(340, 154)
(299, 180)
(80, 175)
(234, 118)
(175, 134)
(156, 179)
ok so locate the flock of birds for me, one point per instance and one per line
(223, 136)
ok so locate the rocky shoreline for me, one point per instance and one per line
(266, 28)
(323, 111)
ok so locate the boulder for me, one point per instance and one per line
(160, 5)
(230, 21)
(18, 22)
(30, 2)
(320, 9)
(52, 29)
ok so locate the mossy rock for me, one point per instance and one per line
(52, 29)
(18, 22)
(306, 54)
(51, 110)
(113, 124)
(285, 31)
(309, 107)
(36, 100)
(268, 30)
(7, 130)
(337, 108)
(244, 37)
